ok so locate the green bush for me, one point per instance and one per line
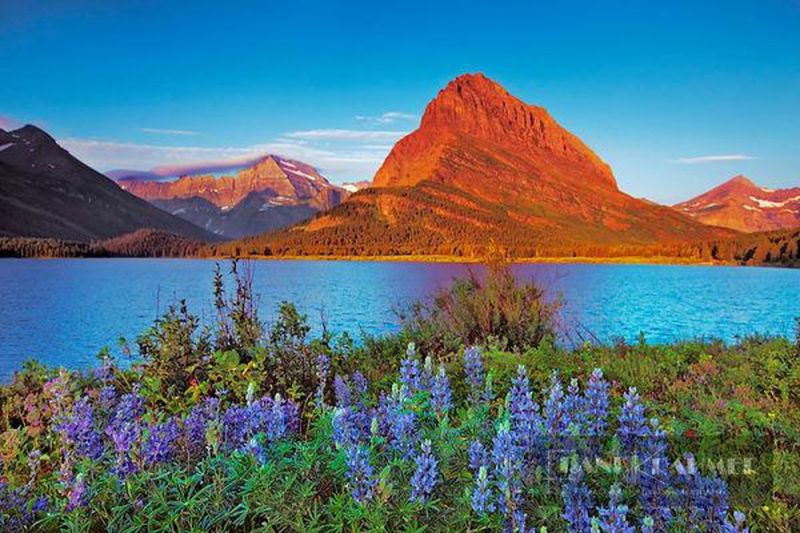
(495, 309)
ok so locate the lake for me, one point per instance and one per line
(63, 311)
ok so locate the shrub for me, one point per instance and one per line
(493, 309)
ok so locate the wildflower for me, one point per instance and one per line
(323, 368)
(556, 417)
(107, 397)
(399, 423)
(595, 403)
(348, 426)
(654, 477)
(196, 423)
(613, 519)
(632, 424)
(577, 500)
(557, 420)
(738, 524)
(507, 465)
(482, 494)
(477, 456)
(473, 368)
(648, 525)
(424, 478)
(410, 373)
(77, 496)
(360, 474)
(158, 447)
(79, 432)
(360, 386)
(125, 431)
(523, 412)
(342, 391)
(257, 450)
(441, 396)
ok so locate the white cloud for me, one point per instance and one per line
(714, 159)
(387, 118)
(160, 131)
(346, 135)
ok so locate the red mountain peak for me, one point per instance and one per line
(473, 109)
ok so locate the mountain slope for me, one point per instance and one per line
(484, 166)
(273, 193)
(46, 192)
(742, 205)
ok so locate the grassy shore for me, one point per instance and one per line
(471, 418)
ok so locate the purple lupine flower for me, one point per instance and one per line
(596, 404)
(349, 426)
(426, 474)
(399, 422)
(705, 499)
(130, 407)
(613, 519)
(342, 391)
(125, 431)
(255, 448)
(360, 474)
(575, 407)
(507, 465)
(410, 375)
(738, 524)
(79, 431)
(323, 369)
(632, 423)
(107, 397)
(482, 500)
(105, 372)
(159, 445)
(477, 456)
(473, 369)
(236, 423)
(556, 417)
(426, 374)
(654, 477)
(578, 501)
(360, 386)
(441, 396)
(196, 424)
(648, 525)
(77, 496)
(523, 413)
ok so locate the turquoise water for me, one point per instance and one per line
(64, 311)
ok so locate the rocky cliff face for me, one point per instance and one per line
(474, 109)
(742, 205)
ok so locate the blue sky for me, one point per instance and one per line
(655, 88)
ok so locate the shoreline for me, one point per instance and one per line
(622, 260)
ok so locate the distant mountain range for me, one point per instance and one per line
(273, 193)
(46, 192)
(742, 205)
(484, 170)
(485, 167)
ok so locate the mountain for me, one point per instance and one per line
(46, 192)
(742, 205)
(273, 193)
(484, 167)
(355, 186)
